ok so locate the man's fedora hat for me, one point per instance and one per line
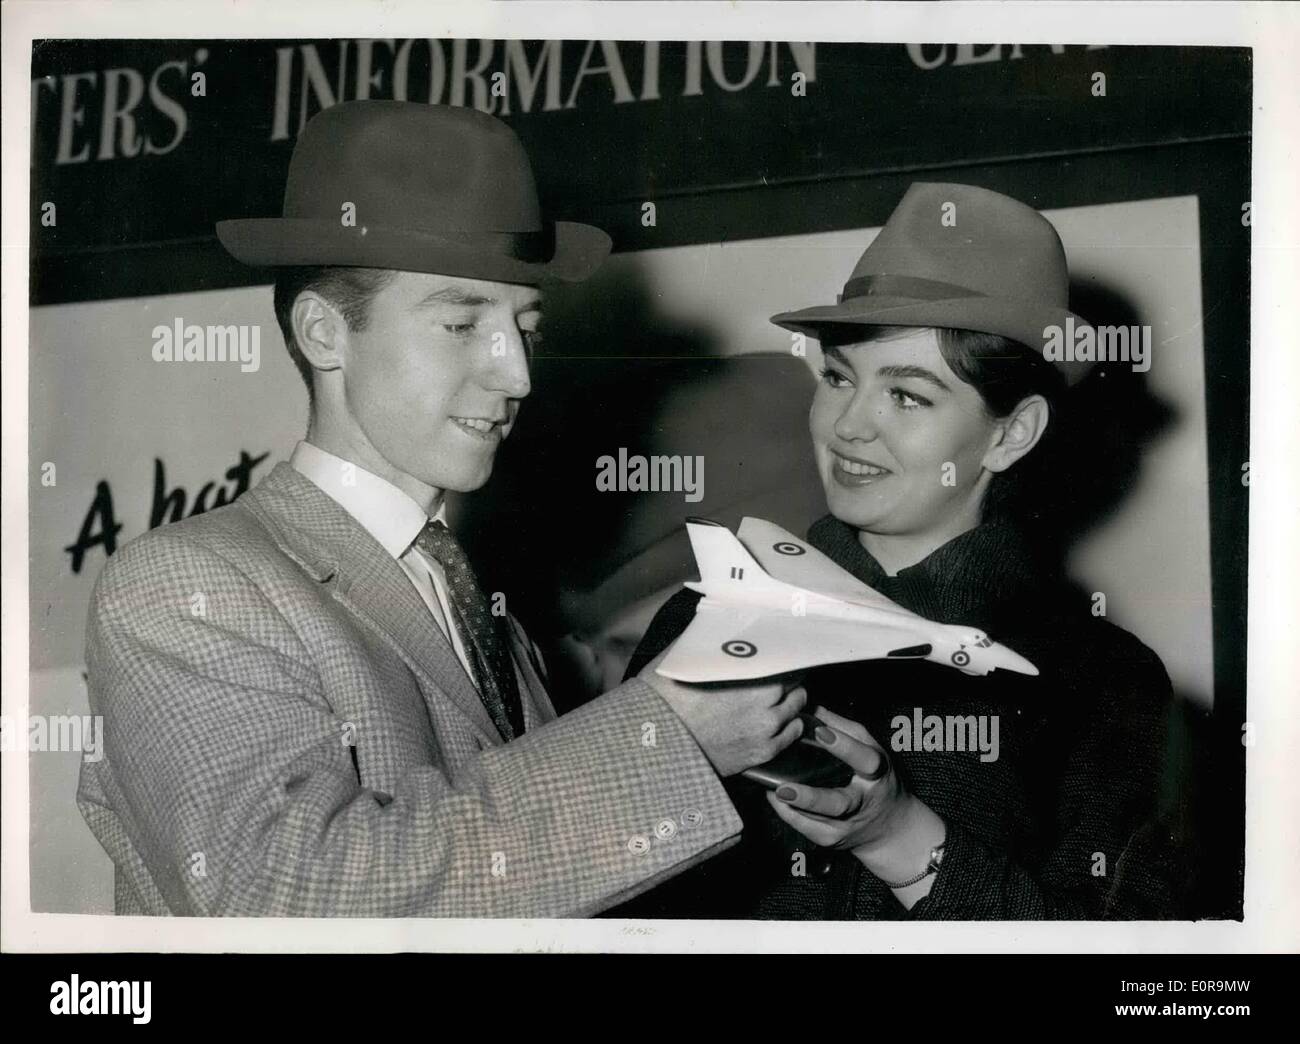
(436, 188)
(962, 257)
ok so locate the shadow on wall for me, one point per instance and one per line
(1112, 420)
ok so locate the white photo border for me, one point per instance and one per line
(1272, 887)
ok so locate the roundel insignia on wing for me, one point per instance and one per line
(738, 648)
(788, 547)
(961, 657)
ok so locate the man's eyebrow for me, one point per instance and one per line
(919, 372)
(454, 295)
(834, 353)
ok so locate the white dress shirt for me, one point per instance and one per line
(393, 519)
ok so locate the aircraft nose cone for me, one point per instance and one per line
(1005, 659)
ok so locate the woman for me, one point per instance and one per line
(932, 428)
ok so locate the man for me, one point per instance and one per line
(310, 706)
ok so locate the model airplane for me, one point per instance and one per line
(773, 604)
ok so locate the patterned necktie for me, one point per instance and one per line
(489, 652)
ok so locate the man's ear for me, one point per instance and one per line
(320, 330)
(1018, 433)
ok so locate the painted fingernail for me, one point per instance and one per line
(825, 735)
(786, 793)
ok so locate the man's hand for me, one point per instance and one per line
(737, 725)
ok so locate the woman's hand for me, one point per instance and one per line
(860, 815)
(888, 830)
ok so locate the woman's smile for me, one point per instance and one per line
(851, 471)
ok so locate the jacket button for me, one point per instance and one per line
(692, 817)
(638, 844)
(665, 830)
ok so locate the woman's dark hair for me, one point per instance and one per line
(1005, 373)
(350, 290)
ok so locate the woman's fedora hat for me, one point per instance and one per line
(963, 257)
(436, 188)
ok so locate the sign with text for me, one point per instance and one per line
(144, 145)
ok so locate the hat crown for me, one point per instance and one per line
(433, 188)
(971, 238)
(959, 257)
(434, 168)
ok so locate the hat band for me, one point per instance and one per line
(904, 286)
(532, 246)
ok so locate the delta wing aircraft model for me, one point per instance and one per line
(773, 604)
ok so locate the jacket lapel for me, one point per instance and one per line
(336, 550)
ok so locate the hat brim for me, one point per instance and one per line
(1017, 320)
(277, 242)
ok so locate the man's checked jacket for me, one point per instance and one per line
(288, 732)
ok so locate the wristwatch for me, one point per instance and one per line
(932, 867)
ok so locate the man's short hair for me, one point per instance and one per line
(350, 290)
